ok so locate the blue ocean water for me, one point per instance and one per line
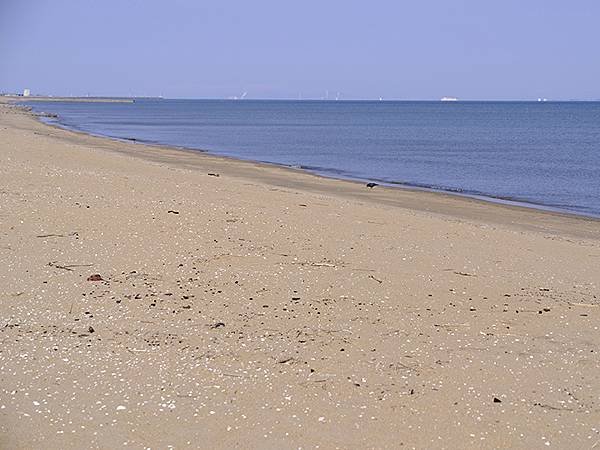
(544, 154)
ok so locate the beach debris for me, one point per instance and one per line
(464, 274)
(497, 400)
(314, 264)
(376, 279)
(214, 175)
(48, 115)
(172, 211)
(91, 329)
(95, 277)
(372, 185)
(75, 233)
(217, 325)
(589, 305)
(68, 267)
(451, 325)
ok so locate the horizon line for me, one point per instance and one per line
(308, 99)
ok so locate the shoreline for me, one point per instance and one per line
(147, 302)
(465, 208)
(508, 201)
(332, 172)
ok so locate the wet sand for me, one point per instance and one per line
(269, 308)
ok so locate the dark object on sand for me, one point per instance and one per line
(91, 329)
(95, 277)
(50, 115)
(214, 175)
(172, 212)
(372, 185)
(497, 400)
(218, 325)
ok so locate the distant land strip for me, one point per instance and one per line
(72, 99)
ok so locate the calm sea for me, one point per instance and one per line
(542, 154)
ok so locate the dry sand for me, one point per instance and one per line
(269, 308)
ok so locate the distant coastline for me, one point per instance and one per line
(32, 98)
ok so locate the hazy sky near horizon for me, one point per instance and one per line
(471, 49)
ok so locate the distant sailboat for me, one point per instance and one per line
(449, 99)
(235, 97)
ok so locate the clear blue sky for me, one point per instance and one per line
(472, 49)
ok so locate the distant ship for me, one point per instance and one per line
(448, 99)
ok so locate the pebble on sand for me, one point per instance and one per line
(95, 277)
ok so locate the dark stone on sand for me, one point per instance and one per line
(95, 277)
(91, 329)
(214, 175)
(172, 212)
(218, 325)
(372, 185)
(497, 400)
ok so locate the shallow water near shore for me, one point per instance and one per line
(543, 154)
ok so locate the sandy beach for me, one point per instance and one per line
(162, 298)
